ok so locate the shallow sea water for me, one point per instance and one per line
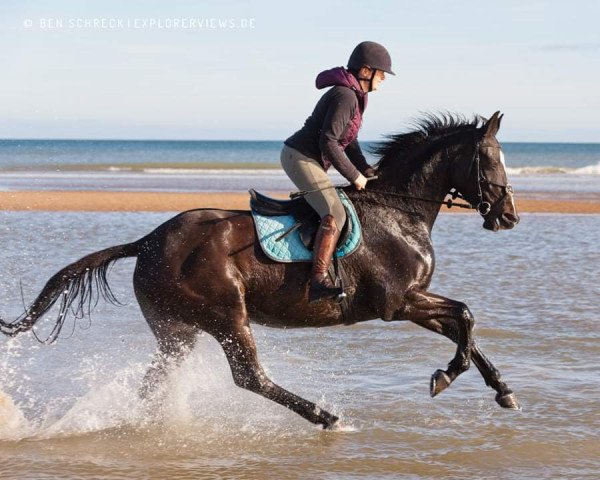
(70, 410)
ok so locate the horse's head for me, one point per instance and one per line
(486, 184)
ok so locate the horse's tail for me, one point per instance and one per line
(79, 286)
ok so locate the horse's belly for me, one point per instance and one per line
(324, 314)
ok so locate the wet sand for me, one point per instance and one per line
(103, 201)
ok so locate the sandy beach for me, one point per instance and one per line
(103, 201)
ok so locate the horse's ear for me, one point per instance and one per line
(493, 125)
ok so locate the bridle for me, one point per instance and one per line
(482, 206)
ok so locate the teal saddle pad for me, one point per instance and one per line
(291, 248)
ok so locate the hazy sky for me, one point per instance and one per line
(149, 72)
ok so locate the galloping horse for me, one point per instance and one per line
(204, 269)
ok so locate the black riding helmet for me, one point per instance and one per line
(372, 55)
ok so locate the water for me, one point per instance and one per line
(90, 153)
(70, 410)
(188, 166)
(582, 158)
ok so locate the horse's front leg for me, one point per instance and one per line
(422, 307)
(504, 396)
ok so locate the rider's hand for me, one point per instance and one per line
(360, 182)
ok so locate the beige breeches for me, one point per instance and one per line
(307, 174)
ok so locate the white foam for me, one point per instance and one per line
(543, 170)
(211, 172)
(589, 170)
(536, 170)
(13, 425)
(102, 407)
(118, 169)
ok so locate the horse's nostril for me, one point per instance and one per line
(509, 217)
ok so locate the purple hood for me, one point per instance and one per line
(339, 76)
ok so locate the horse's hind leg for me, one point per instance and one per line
(240, 349)
(175, 341)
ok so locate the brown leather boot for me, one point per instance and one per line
(321, 286)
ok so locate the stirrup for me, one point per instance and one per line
(334, 293)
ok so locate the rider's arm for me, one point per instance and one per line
(339, 114)
(356, 156)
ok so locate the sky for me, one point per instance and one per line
(241, 70)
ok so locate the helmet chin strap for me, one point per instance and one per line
(370, 80)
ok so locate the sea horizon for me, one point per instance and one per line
(223, 165)
(254, 140)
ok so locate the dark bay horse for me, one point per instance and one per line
(204, 270)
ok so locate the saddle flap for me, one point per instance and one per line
(287, 228)
(309, 226)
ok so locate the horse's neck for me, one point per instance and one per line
(429, 182)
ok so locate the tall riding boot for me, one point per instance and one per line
(321, 286)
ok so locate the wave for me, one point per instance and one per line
(544, 170)
(537, 170)
(211, 171)
(252, 169)
(167, 170)
(589, 170)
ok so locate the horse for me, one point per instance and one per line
(203, 270)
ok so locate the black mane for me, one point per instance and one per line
(430, 132)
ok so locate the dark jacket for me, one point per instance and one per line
(329, 135)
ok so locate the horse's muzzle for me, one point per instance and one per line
(505, 221)
(509, 220)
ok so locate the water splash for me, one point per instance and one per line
(198, 402)
(13, 425)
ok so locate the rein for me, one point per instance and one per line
(449, 203)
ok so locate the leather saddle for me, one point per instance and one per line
(307, 221)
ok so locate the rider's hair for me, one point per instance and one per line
(354, 71)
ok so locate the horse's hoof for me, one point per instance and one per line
(508, 400)
(332, 424)
(439, 382)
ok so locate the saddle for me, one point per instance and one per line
(291, 219)
(286, 231)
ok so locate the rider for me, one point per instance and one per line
(329, 137)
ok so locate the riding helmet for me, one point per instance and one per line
(371, 54)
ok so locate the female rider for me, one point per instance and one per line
(329, 137)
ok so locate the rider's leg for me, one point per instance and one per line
(307, 174)
(321, 286)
